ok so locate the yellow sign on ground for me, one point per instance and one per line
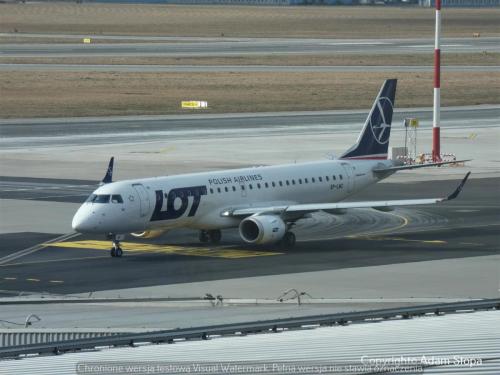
(214, 252)
(86, 40)
(194, 104)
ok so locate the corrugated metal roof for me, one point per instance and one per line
(27, 336)
(466, 335)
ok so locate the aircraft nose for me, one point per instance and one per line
(83, 221)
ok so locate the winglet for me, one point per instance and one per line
(108, 177)
(458, 189)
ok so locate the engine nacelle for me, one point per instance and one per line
(149, 233)
(262, 229)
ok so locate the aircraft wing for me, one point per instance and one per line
(297, 210)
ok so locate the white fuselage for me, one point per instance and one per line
(197, 200)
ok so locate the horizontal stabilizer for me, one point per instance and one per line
(416, 166)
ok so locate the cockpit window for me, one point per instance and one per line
(115, 198)
(99, 198)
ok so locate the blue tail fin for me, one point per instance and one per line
(108, 177)
(373, 141)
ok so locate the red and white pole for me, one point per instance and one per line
(436, 142)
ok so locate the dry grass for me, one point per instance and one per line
(480, 59)
(52, 94)
(35, 94)
(236, 21)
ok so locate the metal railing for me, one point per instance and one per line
(204, 332)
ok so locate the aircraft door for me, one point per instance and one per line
(144, 201)
(349, 182)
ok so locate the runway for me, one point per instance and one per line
(21, 133)
(236, 68)
(250, 46)
(467, 227)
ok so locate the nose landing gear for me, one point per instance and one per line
(116, 250)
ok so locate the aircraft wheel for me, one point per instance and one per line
(203, 236)
(113, 252)
(288, 240)
(118, 252)
(215, 236)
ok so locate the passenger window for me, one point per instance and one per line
(320, 179)
(274, 185)
(281, 183)
(313, 180)
(250, 186)
(293, 182)
(287, 183)
(218, 190)
(266, 184)
(300, 181)
(234, 188)
(258, 185)
(211, 191)
(305, 180)
(226, 189)
(334, 178)
(327, 178)
(116, 199)
(242, 187)
(340, 177)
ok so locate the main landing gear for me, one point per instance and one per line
(116, 250)
(288, 240)
(212, 236)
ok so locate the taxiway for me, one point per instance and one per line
(464, 228)
(249, 46)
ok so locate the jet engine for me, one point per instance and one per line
(262, 229)
(149, 233)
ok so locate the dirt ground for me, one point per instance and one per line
(479, 59)
(244, 21)
(53, 94)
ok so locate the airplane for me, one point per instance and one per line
(264, 203)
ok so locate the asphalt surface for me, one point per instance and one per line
(466, 227)
(49, 190)
(111, 130)
(251, 46)
(236, 68)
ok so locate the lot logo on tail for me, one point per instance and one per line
(378, 123)
(373, 141)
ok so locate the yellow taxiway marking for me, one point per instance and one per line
(217, 252)
(374, 233)
(433, 242)
(55, 260)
